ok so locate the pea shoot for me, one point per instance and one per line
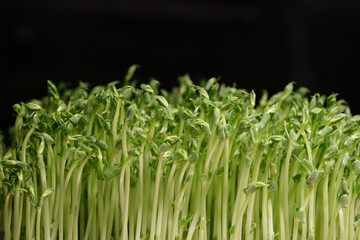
(199, 162)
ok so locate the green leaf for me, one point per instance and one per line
(252, 187)
(300, 215)
(17, 108)
(52, 90)
(41, 147)
(292, 136)
(306, 165)
(317, 110)
(48, 139)
(345, 160)
(355, 118)
(325, 131)
(102, 145)
(127, 92)
(278, 138)
(344, 200)
(253, 226)
(216, 116)
(313, 177)
(131, 112)
(164, 147)
(189, 113)
(147, 88)
(222, 132)
(76, 137)
(351, 140)
(355, 167)
(204, 177)
(337, 118)
(232, 229)
(189, 175)
(273, 109)
(272, 186)
(264, 120)
(44, 195)
(172, 139)
(331, 151)
(33, 106)
(180, 154)
(194, 157)
(345, 186)
(219, 170)
(130, 73)
(162, 101)
(288, 90)
(32, 196)
(252, 98)
(13, 164)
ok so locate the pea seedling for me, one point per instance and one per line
(199, 162)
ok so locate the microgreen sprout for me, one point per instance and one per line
(199, 162)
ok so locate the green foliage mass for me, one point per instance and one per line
(199, 162)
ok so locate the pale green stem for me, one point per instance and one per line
(271, 234)
(176, 213)
(225, 193)
(7, 218)
(156, 196)
(325, 207)
(141, 193)
(46, 206)
(285, 233)
(38, 224)
(169, 184)
(341, 225)
(76, 197)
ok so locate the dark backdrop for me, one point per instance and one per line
(257, 44)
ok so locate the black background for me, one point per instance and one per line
(256, 44)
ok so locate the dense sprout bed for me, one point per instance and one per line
(199, 162)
